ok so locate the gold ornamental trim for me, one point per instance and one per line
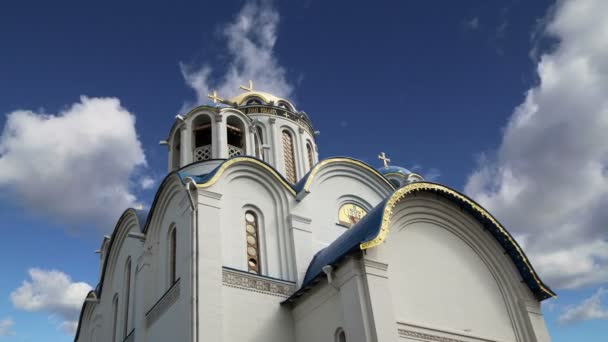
(411, 188)
(236, 160)
(325, 162)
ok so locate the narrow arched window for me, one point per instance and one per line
(340, 335)
(115, 317)
(253, 242)
(259, 143)
(289, 157)
(172, 256)
(127, 297)
(311, 160)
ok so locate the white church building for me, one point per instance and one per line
(251, 238)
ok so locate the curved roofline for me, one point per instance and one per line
(99, 288)
(212, 177)
(503, 235)
(306, 182)
(374, 228)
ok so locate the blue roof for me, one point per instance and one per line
(369, 227)
(365, 230)
(394, 169)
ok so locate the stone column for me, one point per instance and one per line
(210, 310)
(277, 160)
(301, 232)
(185, 135)
(301, 154)
(220, 142)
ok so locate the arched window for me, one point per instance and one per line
(253, 102)
(350, 214)
(175, 151)
(253, 242)
(172, 256)
(340, 335)
(127, 297)
(201, 130)
(259, 143)
(115, 317)
(236, 136)
(311, 160)
(289, 157)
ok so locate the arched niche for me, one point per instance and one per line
(202, 137)
(236, 136)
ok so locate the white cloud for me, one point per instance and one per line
(6, 327)
(548, 181)
(590, 308)
(53, 292)
(74, 166)
(250, 38)
(472, 24)
(147, 182)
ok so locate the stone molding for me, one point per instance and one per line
(375, 264)
(163, 304)
(300, 219)
(210, 194)
(252, 282)
(426, 337)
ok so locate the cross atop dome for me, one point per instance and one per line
(250, 86)
(382, 156)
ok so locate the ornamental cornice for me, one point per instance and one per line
(255, 283)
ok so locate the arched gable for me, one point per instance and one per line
(129, 221)
(249, 185)
(208, 180)
(342, 166)
(374, 228)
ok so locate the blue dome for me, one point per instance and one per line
(394, 169)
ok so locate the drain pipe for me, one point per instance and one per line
(191, 184)
(329, 272)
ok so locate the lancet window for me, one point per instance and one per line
(115, 317)
(309, 153)
(172, 256)
(127, 297)
(289, 157)
(253, 242)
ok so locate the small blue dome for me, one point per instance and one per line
(394, 169)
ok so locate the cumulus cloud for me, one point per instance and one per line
(472, 24)
(53, 292)
(250, 38)
(75, 165)
(6, 326)
(548, 180)
(147, 182)
(590, 308)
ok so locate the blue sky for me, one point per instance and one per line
(490, 98)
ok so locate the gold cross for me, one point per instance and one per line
(215, 98)
(250, 86)
(384, 158)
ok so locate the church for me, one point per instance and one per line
(251, 237)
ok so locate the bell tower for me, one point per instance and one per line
(253, 123)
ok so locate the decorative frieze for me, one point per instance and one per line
(255, 283)
(426, 337)
(163, 304)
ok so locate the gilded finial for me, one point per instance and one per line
(250, 86)
(214, 97)
(384, 159)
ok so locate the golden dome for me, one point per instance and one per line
(266, 98)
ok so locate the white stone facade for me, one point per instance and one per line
(440, 276)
